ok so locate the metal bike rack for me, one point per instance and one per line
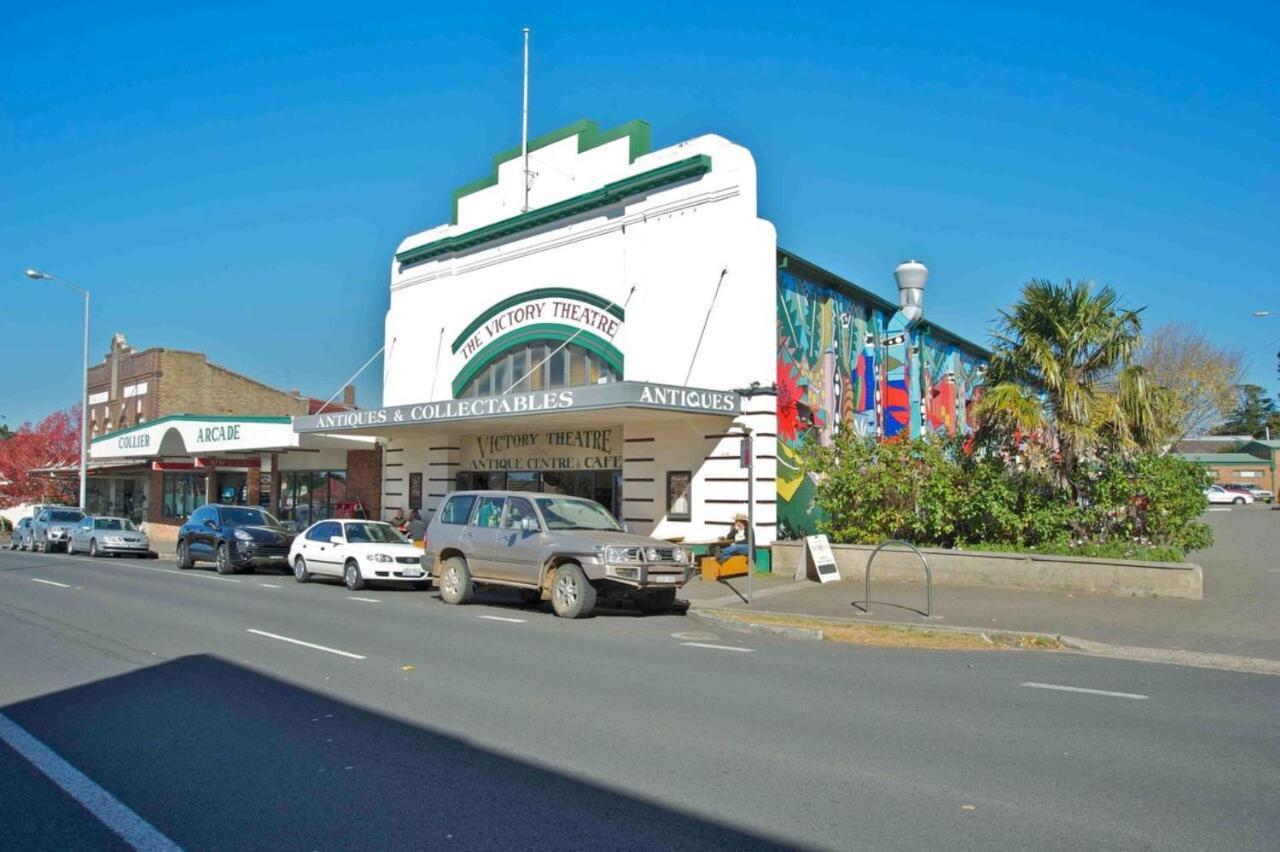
(928, 576)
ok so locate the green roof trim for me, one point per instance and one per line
(533, 295)
(1223, 458)
(529, 334)
(610, 193)
(214, 418)
(589, 136)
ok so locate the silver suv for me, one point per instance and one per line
(52, 528)
(549, 546)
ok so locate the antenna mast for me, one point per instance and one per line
(524, 125)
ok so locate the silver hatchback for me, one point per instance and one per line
(568, 550)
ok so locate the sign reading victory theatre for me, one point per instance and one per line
(552, 314)
(568, 449)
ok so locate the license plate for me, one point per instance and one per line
(664, 578)
(412, 572)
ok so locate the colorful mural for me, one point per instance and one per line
(846, 364)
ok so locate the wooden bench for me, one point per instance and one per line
(712, 569)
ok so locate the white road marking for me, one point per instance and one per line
(1135, 696)
(366, 600)
(270, 586)
(719, 647)
(109, 810)
(189, 574)
(1219, 509)
(500, 618)
(50, 583)
(305, 644)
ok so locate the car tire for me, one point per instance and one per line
(456, 586)
(93, 547)
(300, 572)
(1239, 501)
(657, 603)
(223, 560)
(184, 555)
(351, 576)
(572, 595)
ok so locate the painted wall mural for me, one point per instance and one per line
(844, 364)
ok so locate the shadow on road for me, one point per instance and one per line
(216, 755)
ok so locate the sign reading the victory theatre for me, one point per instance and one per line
(565, 307)
(560, 449)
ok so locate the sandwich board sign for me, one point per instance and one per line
(823, 560)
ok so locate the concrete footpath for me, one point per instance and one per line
(1240, 615)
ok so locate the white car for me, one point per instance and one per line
(358, 552)
(1218, 494)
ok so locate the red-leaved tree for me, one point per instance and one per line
(53, 441)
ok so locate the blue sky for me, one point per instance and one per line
(234, 178)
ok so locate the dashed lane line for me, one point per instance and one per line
(1105, 692)
(502, 618)
(719, 647)
(109, 810)
(50, 583)
(196, 574)
(366, 600)
(270, 586)
(347, 654)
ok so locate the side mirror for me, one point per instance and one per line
(528, 525)
(337, 539)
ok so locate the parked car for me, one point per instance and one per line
(568, 549)
(1218, 494)
(234, 538)
(358, 552)
(1255, 491)
(52, 528)
(100, 535)
(21, 538)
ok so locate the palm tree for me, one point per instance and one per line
(1062, 371)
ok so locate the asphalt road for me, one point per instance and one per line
(420, 725)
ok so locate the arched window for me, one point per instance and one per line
(572, 366)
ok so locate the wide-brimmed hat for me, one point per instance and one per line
(741, 516)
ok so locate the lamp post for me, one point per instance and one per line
(37, 275)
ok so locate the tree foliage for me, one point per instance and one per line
(1194, 380)
(55, 440)
(1251, 414)
(1064, 375)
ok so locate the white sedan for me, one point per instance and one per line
(1218, 494)
(357, 552)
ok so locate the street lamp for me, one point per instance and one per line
(37, 275)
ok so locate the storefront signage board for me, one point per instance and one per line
(566, 400)
(184, 434)
(822, 559)
(554, 449)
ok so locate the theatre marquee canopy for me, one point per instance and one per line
(618, 396)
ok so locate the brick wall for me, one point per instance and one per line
(364, 480)
(190, 384)
(1259, 475)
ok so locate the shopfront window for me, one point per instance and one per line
(307, 496)
(183, 494)
(603, 486)
(118, 496)
(529, 368)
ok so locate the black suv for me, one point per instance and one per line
(235, 538)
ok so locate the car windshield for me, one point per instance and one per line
(373, 534)
(114, 524)
(568, 513)
(237, 516)
(66, 517)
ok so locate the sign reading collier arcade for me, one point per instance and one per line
(586, 398)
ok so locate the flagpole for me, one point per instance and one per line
(524, 125)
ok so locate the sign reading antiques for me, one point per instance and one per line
(572, 449)
(587, 398)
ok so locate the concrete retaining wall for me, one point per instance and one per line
(1019, 571)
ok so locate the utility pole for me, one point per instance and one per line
(524, 126)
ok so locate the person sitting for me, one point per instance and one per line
(398, 521)
(737, 543)
(417, 527)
